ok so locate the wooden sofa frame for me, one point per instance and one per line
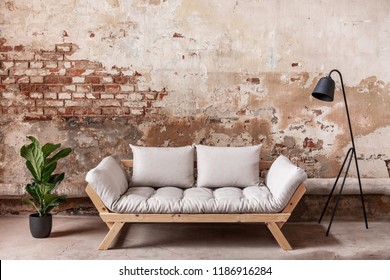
(274, 221)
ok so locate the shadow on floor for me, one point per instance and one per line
(215, 236)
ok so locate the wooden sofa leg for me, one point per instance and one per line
(280, 238)
(114, 230)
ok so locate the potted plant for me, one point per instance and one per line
(44, 183)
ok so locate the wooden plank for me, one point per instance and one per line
(97, 202)
(195, 218)
(299, 192)
(115, 229)
(264, 165)
(293, 202)
(278, 235)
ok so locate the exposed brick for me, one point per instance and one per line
(54, 88)
(49, 111)
(14, 95)
(122, 96)
(36, 79)
(33, 87)
(22, 79)
(136, 111)
(37, 118)
(78, 80)
(69, 88)
(93, 95)
(127, 88)
(64, 48)
(50, 103)
(98, 88)
(78, 95)
(151, 96)
(51, 79)
(50, 95)
(80, 111)
(88, 72)
(21, 65)
(78, 103)
(107, 79)
(68, 111)
(136, 97)
(50, 64)
(23, 110)
(19, 48)
(64, 64)
(112, 88)
(22, 103)
(106, 96)
(107, 103)
(8, 80)
(92, 80)
(3, 56)
(6, 48)
(7, 64)
(94, 111)
(120, 80)
(65, 80)
(36, 64)
(64, 95)
(115, 111)
(84, 88)
(75, 72)
(135, 104)
(87, 64)
(36, 95)
(29, 72)
(57, 71)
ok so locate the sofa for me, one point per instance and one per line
(195, 184)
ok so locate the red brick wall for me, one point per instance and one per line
(44, 84)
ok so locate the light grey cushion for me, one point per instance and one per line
(228, 166)
(109, 181)
(159, 167)
(255, 199)
(283, 179)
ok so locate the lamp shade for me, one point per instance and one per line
(325, 89)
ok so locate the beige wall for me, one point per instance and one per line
(97, 75)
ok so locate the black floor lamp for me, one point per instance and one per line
(325, 91)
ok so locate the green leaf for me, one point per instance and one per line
(33, 190)
(61, 154)
(56, 179)
(34, 157)
(48, 148)
(29, 201)
(52, 200)
(48, 170)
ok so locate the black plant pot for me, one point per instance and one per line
(40, 227)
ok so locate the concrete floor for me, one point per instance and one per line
(77, 237)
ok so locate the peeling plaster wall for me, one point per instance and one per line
(97, 76)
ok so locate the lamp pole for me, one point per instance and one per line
(350, 154)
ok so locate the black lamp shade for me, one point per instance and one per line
(325, 89)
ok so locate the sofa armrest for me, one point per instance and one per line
(283, 179)
(109, 181)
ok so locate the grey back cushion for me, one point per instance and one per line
(109, 181)
(283, 179)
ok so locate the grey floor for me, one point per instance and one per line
(77, 237)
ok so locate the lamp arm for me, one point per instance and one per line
(346, 106)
